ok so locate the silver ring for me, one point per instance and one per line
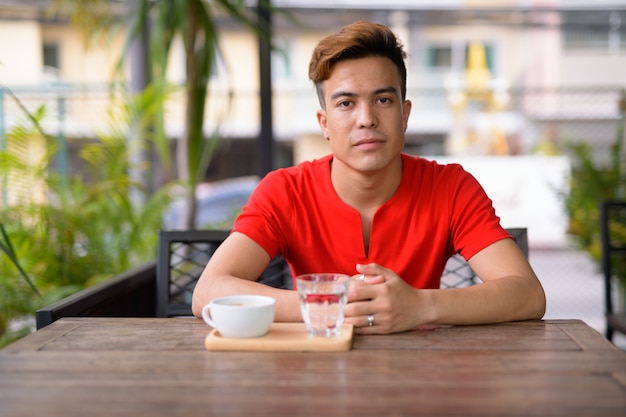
(370, 320)
(362, 277)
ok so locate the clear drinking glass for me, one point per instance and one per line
(323, 299)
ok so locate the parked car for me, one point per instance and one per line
(219, 203)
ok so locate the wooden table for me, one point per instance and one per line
(159, 367)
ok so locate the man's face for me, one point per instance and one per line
(364, 116)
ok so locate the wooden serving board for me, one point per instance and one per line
(283, 337)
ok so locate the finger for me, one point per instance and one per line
(370, 269)
(362, 291)
(368, 325)
(368, 279)
(357, 310)
(359, 277)
(362, 321)
(371, 273)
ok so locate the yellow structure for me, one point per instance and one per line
(477, 96)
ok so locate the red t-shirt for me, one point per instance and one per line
(438, 210)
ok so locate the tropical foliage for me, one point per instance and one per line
(160, 24)
(61, 233)
(593, 181)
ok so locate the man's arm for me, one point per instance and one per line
(233, 269)
(510, 291)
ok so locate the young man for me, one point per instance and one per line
(367, 210)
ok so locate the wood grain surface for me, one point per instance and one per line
(283, 337)
(160, 367)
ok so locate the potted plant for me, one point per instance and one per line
(593, 181)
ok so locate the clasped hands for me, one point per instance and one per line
(379, 301)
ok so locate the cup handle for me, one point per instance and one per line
(206, 315)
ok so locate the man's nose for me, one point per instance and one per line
(367, 116)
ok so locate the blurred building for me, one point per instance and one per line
(485, 77)
(549, 70)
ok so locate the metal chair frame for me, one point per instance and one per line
(458, 273)
(612, 225)
(182, 256)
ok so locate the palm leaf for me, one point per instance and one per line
(7, 248)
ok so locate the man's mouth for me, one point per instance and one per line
(368, 143)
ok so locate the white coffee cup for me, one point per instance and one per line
(240, 316)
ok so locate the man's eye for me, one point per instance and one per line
(344, 104)
(384, 100)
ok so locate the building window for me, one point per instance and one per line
(597, 31)
(438, 57)
(51, 55)
(585, 38)
(455, 57)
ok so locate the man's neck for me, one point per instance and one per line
(366, 191)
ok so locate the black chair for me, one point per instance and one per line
(183, 254)
(613, 235)
(458, 273)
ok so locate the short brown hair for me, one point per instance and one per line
(357, 40)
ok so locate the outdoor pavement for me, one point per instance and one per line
(574, 287)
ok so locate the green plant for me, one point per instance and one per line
(64, 233)
(592, 182)
(67, 233)
(156, 25)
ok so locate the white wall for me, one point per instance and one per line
(525, 193)
(20, 53)
(589, 69)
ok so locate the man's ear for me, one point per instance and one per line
(321, 120)
(406, 112)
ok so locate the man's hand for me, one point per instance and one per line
(379, 301)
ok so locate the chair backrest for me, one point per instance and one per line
(613, 237)
(182, 256)
(458, 273)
